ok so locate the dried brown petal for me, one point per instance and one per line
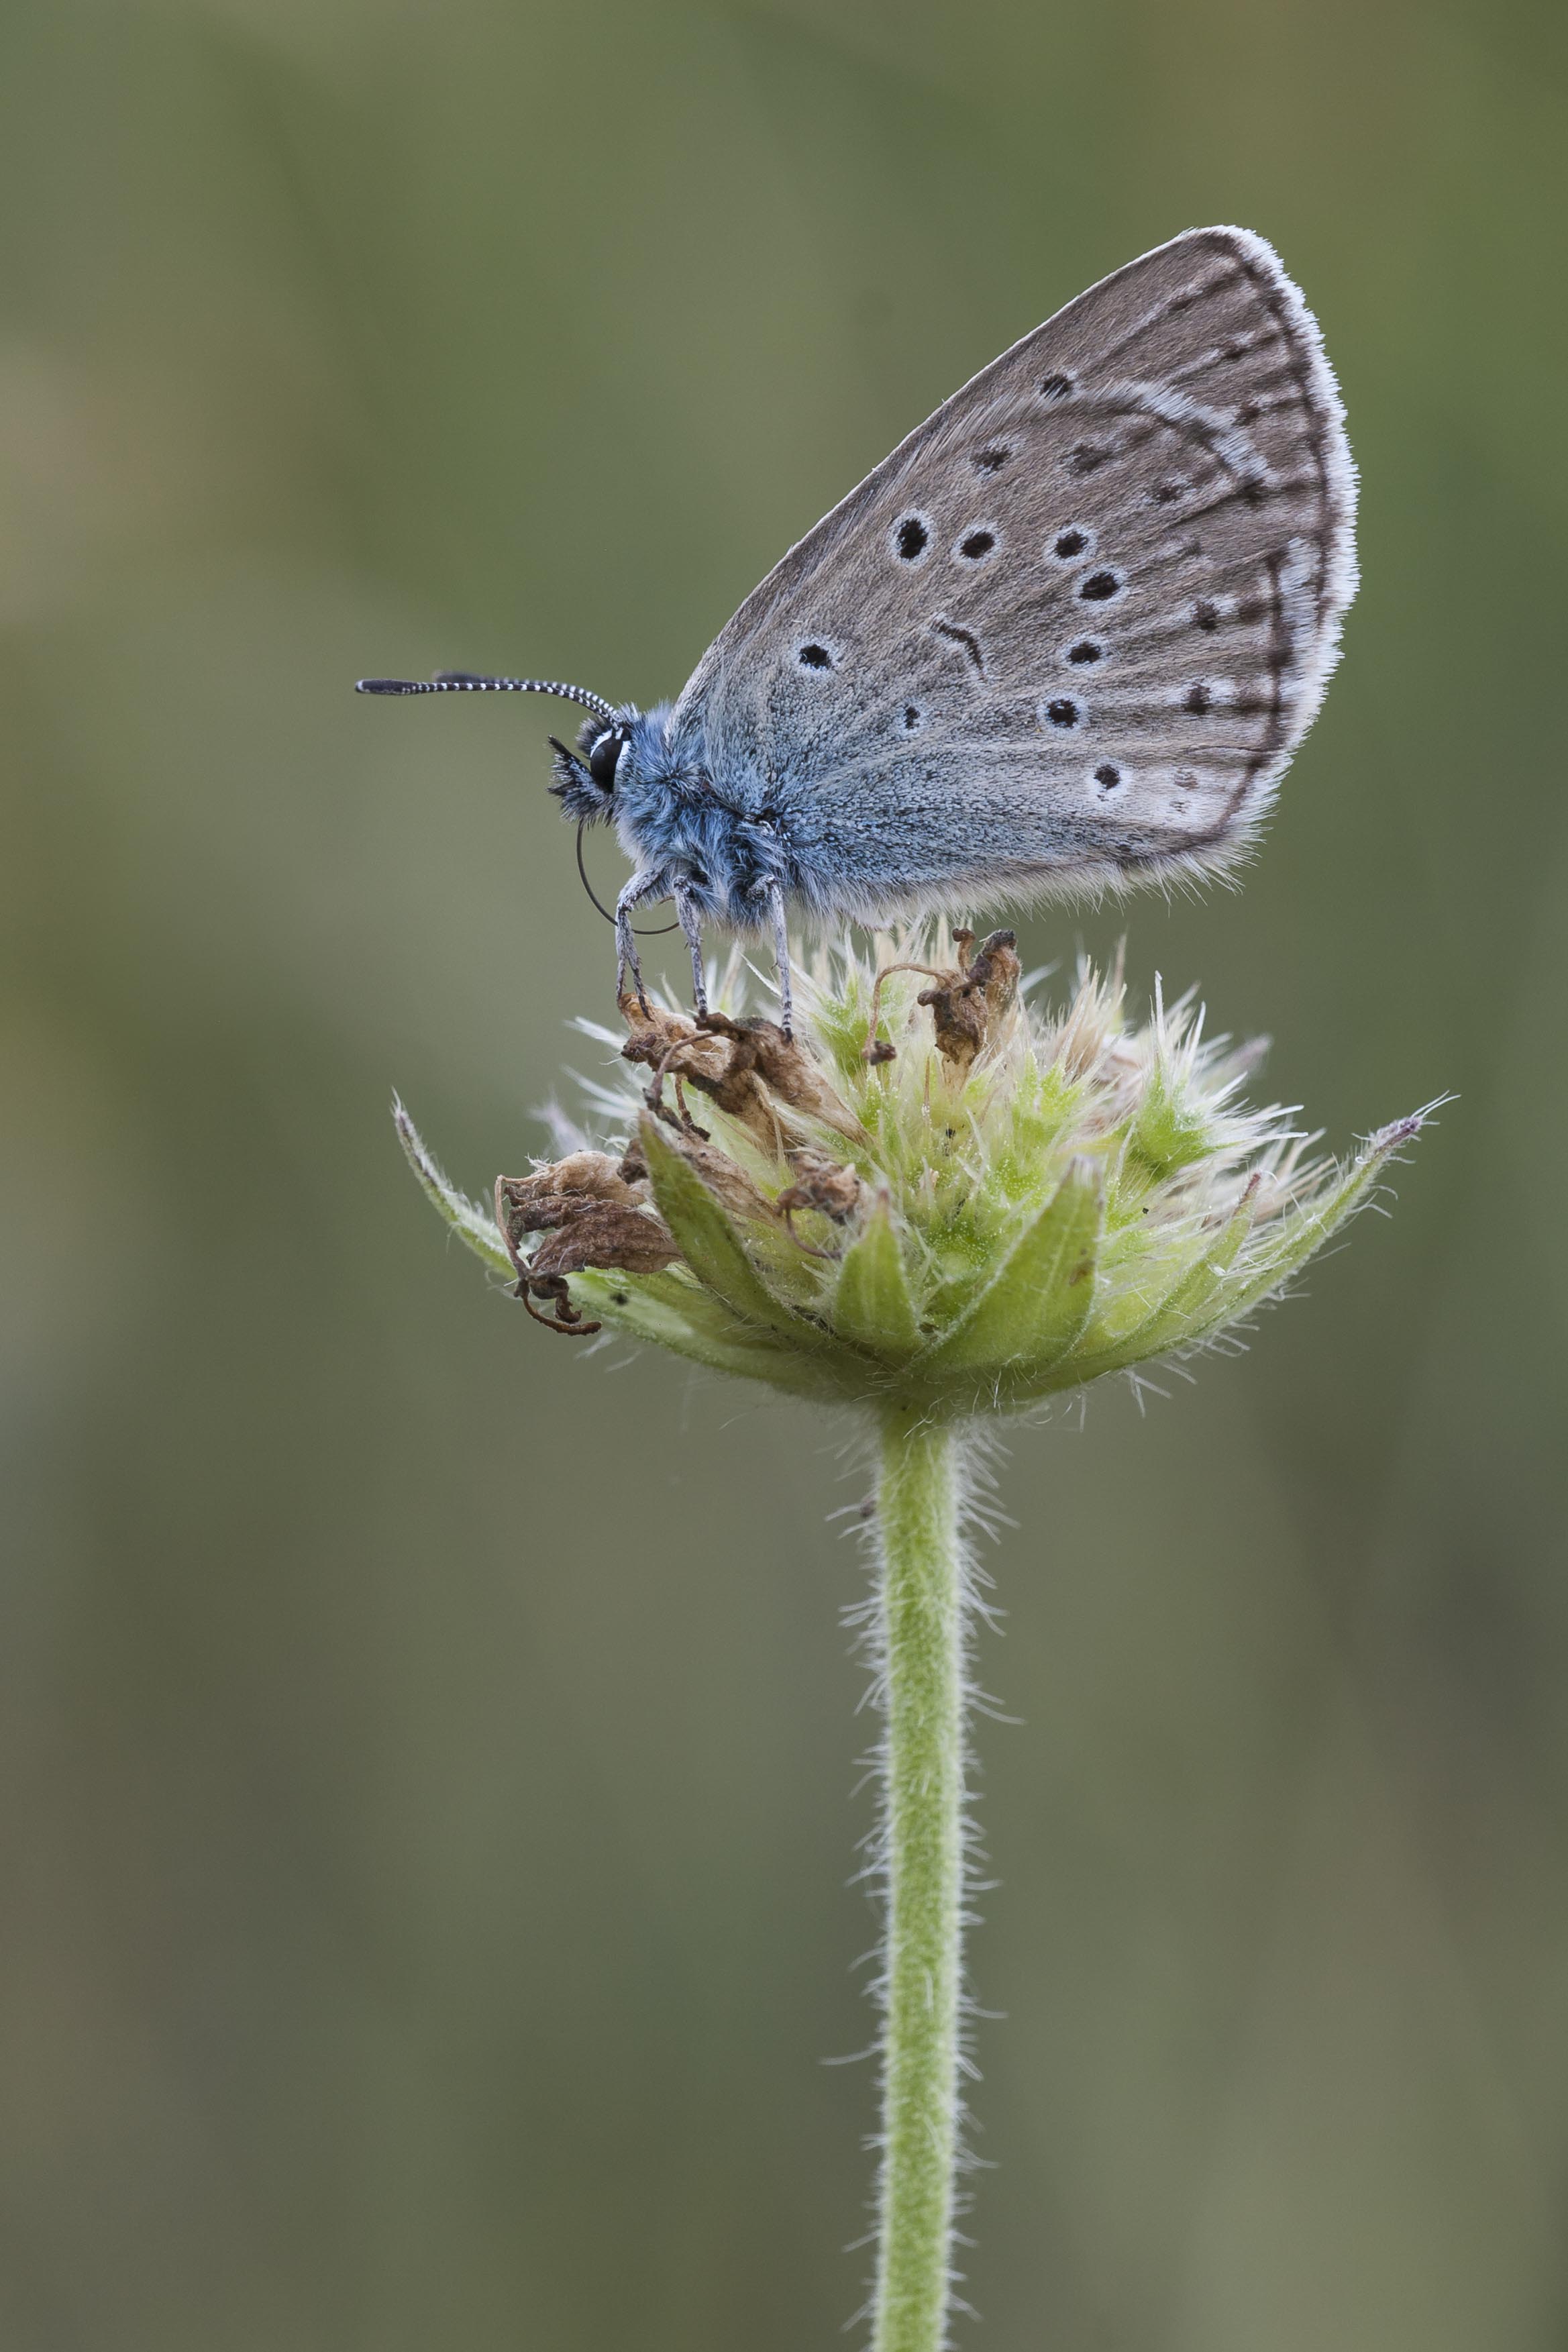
(959, 1015)
(822, 1184)
(725, 1179)
(536, 1203)
(590, 1216)
(566, 1318)
(966, 1004)
(673, 1047)
(748, 1068)
(652, 1030)
(603, 1234)
(791, 1074)
(668, 1041)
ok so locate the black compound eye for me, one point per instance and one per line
(605, 757)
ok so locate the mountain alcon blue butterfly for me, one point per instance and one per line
(1066, 637)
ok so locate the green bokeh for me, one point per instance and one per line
(426, 1756)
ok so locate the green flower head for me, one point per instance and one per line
(934, 1195)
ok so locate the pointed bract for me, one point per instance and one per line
(872, 1304)
(1039, 1300)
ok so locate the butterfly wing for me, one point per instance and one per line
(1076, 625)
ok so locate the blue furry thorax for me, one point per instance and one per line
(670, 820)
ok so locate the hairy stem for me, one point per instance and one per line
(921, 1644)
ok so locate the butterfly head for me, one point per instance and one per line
(585, 779)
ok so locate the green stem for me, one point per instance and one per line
(921, 1645)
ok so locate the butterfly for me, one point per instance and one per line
(1067, 636)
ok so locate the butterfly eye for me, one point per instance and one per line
(605, 757)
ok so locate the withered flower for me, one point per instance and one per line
(591, 1214)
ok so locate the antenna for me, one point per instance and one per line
(462, 681)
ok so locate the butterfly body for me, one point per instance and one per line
(1066, 637)
(722, 843)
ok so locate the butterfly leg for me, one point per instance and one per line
(691, 924)
(781, 958)
(641, 887)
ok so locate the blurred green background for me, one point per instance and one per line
(427, 1757)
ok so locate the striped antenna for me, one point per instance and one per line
(462, 681)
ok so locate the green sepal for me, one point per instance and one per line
(1297, 1237)
(1198, 1299)
(1204, 1293)
(1230, 1278)
(471, 1223)
(710, 1244)
(873, 1307)
(1035, 1305)
(669, 1310)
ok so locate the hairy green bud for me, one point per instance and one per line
(935, 1197)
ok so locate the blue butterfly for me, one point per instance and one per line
(1067, 636)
